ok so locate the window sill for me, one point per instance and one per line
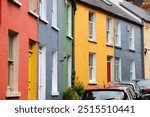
(118, 47)
(92, 41)
(17, 2)
(54, 27)
(131, 50)
(92, 83)
(33, 14)
(13, 94)
(70, 37)
(44, 20)
(109, 45)
(54, 93)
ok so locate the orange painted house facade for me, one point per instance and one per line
(18, 48)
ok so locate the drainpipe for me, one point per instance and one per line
(142, 48)
(73, 53)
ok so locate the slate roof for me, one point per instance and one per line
(136, 10)
(112, 9)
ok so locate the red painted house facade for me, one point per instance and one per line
(18, 44)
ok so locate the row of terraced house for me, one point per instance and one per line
(45, 44)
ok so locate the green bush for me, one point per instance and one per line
(70, 94)
(79, 88)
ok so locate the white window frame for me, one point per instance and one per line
(54, 91)
(117, 33)
(131, 38)
(92, 22)
(13, 61)
(43, 11)
(92, 68)
(69, 19)
(42, 73)
(69, 63)
(119, 65)
(132, 70)
(109, 31)
(54, 13)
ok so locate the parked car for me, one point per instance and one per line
(132, 84)
(109, 93)
(145, 87)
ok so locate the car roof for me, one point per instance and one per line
(112, 88)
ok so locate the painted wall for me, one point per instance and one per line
(67, 48)
(17, 19)
(52, 40)
(147, 46)
(83, 46)
(126, 55)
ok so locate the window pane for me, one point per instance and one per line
(10, 54)
(91, 27)
(90, 59)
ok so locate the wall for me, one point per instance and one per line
(147, 46)
(126, 55)
(83, 46)
(52, 40)
(16, 19)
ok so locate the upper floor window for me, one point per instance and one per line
(69, 18)
(54, 13)
(109, 31)
(91, 26)
(118, 34)
(131, 38)
(43, 9)
(33, 5)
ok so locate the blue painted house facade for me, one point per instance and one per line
(50, 52)
(128, 50)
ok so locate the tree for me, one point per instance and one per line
(137, 2)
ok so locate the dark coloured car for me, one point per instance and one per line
(132, 84)
(145, 87)
(109, 93)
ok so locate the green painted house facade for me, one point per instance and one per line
(69, 8)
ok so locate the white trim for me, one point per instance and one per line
(109, 31)
(132, 70)
(119, 62)
(43, 10)
(42, 74)
(54, 74)
(69, 20)
(54, 13)
(92, 69)
(69, 63)
(92, 37)
(118, 33)
(132, 38)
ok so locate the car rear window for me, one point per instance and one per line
(104, 95)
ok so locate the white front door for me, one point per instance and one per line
(54, 75)
(42, 74)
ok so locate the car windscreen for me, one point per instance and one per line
(105, 95)
(144, 84)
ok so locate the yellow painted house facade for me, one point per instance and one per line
(94, 45)
(147, 49)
